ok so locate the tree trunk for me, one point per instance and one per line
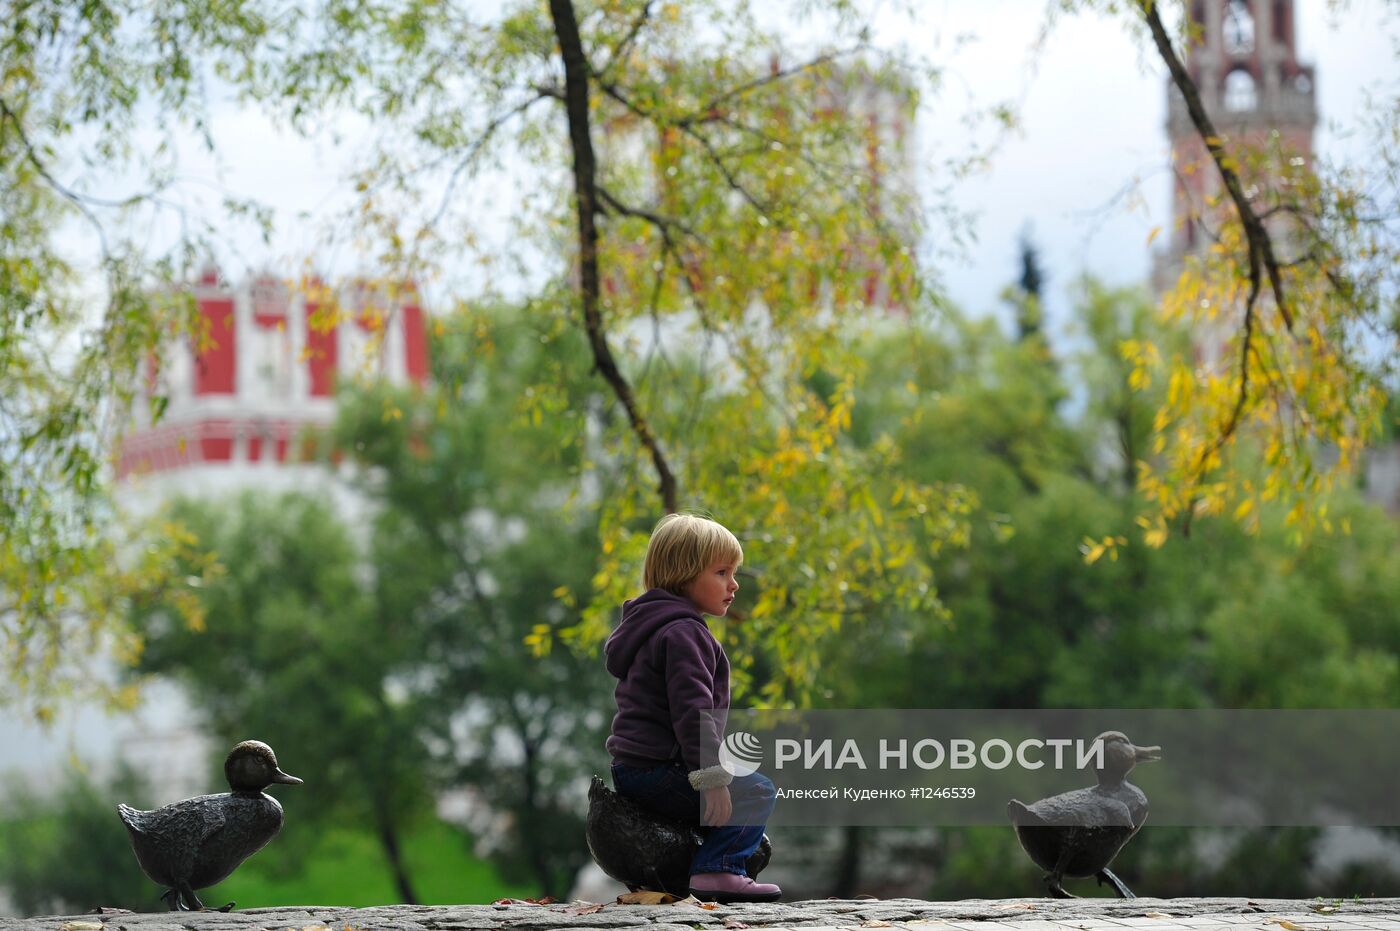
(848, 867)
(576, 80)
(389, 842)
(530, 825)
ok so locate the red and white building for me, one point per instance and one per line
(243, 409)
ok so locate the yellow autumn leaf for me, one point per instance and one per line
(646, 897)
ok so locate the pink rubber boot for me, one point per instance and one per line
(732, 887)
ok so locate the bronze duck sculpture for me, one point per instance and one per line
(644, 850)
(1078, 833)
(200, 841)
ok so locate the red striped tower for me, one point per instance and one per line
(1244, 60)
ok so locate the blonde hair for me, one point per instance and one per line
(684, 545)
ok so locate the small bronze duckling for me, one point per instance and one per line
(1077, 834)
(198, 842)
(644, 850)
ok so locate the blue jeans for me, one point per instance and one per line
(665, 789)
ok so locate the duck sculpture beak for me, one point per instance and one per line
(1146, 754)
(282, 778)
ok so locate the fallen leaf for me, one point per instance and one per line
(547, 900)
(734, 923)
(707, 906)
(1155, 915)
(646, 897)
(1285, 924)
(585, 908)
(1323, 909)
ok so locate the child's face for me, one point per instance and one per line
(712, 590)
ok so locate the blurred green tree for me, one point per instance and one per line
(301, 651)
(1046, 615)
(484, 535)
(65, 852)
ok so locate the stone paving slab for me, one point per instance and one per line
(814, 915)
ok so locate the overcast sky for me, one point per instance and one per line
(1093, 118)
(1092, 104)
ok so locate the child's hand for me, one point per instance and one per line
(718, 807)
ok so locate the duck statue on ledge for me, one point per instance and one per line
(199, 842)
(1077, 834)
(644, 850)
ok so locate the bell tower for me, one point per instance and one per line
(1243, 58)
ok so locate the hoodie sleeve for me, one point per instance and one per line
(690, 685)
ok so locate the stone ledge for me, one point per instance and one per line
(814, 915)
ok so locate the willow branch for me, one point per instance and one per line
(663, 223)
(1261, 247)
(702, 113)
(79, 201)
(713, 154)
(585, 169)
(479, 144)
(622, 47)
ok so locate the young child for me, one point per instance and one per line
(671, 671)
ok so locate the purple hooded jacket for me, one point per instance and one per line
(670, 670)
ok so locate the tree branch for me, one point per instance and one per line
(480, 143)
(627, 40)
(710, 106)
(1261, 247)
(662, 223)
(689, 129)
(77, 200)
(576, 80)
(1232, 424)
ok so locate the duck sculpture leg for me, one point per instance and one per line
(1105, 875)
(1055, 878)
(182, 898)
(191, 900)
